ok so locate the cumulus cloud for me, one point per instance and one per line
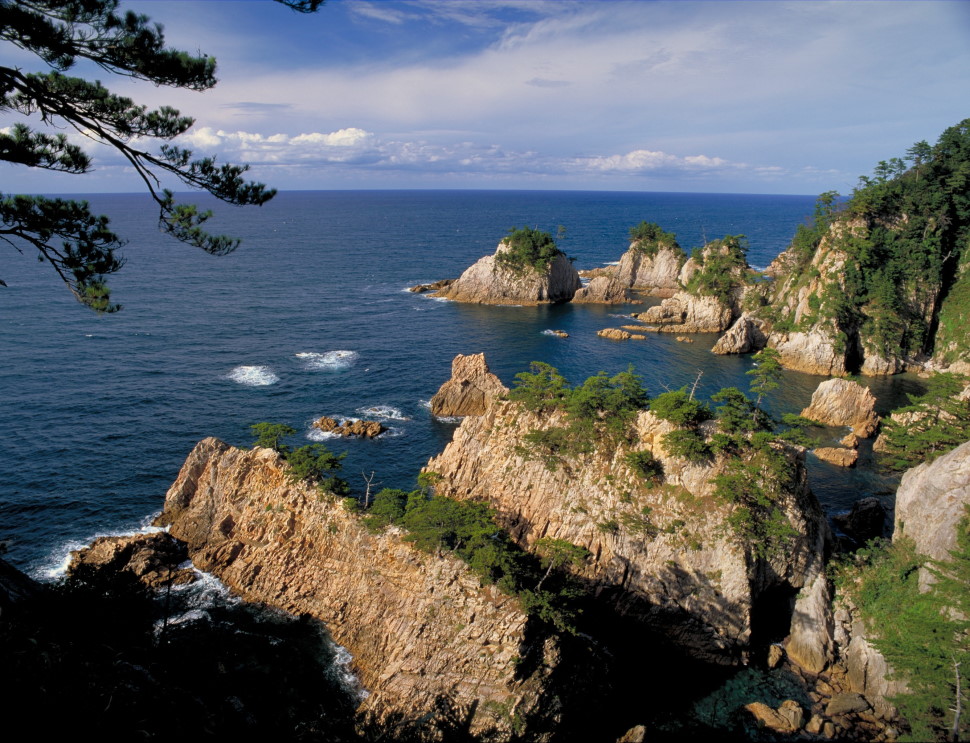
(652, 161)
(359, 148)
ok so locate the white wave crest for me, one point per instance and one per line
(383, 412)
(328, 361)
(315, 434)
(253, 376)
(56, 564)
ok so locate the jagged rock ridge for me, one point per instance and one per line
(418, 625)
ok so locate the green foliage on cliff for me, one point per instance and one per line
(905, 232)
(270, 435)
(316, 463)
(469, 530)
(649, 237)
(529, 250)
(933, 424)
(723, 268)
(925, 636)
(313, 463)
(601, 408)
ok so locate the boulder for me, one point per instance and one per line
(843, 704)
(433, 287)
(350, 427)
(842, 402)
(837, 455)
(615, 334)
(154, 559)
(787, 719)
(603, 290)
(744, 336)
(850, 440)
(489, 282)
(471, 387)
(931, 500)
(866, 520)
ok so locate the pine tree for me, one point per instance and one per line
(78, 244)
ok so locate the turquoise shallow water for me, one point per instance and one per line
(310, 317)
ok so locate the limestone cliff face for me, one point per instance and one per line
(488, 282)
(661, 554)
(931, 500)
(745, 335)
(655, 275)
(418, 625)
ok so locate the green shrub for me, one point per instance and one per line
(677, 406)
(529, 249)
(268, 436)
(649, 237)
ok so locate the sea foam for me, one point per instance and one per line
(328, 361)
(383, 412)
(253, 376)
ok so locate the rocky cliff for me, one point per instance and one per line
(419, 626)
(655, 273)
(469, 389)
(488, 281)
(663, 554)
(931, 500)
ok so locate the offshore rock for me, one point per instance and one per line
(488, 282)
(837, 455)
(842, 402)
(656, 275)
(744, 336)
(603, 290)
(419, 626)
(688, 313)
(433, 287)
(469, 391)
(153, 559)
(615, 334)
(661, 553)
(357, 428)
(931, 500)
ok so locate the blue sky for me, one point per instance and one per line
(712, 96)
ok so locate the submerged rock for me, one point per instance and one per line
(469, 391)
(842, 402)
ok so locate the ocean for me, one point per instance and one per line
(311, 316)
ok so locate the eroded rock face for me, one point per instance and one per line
(469, 391)
(418, 625)
(812, 352)
(745, 336)
(688, 313)
(661, 555)
(602, 290)
(488, 282)
(842, 402)
(931, 500)
(656, 276)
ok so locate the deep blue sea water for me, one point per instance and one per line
(310, 317)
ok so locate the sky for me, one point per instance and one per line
(652, 95)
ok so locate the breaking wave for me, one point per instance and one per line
(253, 376)
(328, 361)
